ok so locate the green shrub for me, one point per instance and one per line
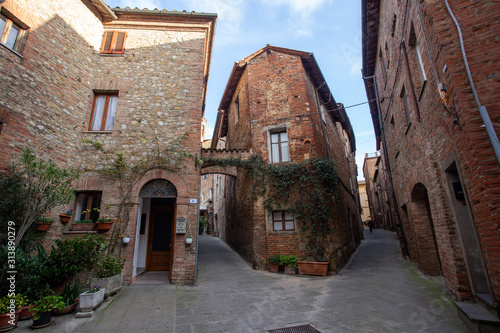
(275, 259)
(71, 256)
(70, 293)
(109, 265)
(290, 260)
(47, 304)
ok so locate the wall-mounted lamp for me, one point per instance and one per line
(443, 91)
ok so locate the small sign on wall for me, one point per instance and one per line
(180, 225)
(193, 201)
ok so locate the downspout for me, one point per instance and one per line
(386, 158)
(198, 223)
(482, 109)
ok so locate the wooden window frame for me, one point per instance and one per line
(104, 112)
(5, 34)
(279, 131)
(94, 215)
(283, 220)
(112, 46)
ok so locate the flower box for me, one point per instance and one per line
(90, 301)
(313, 268)
(111, 284)
(41, 226)
(104, 226)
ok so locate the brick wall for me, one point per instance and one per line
(48, 93)
(423, 153)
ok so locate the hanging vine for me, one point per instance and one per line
(309, 189)
(126, 170)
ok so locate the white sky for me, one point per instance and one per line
(330, 29)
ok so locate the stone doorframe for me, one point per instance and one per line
(182, 206)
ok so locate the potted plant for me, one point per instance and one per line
(189, 240)
(203, 225)
(290, 263)
(66, 216)
(91, 299)
(43, 223)
(274, 263)
(70, 298)
(107, 274)
(104, 223)
(83, 225)
(10, 309)
(310, 266)
(125, 238)
(26, 307)
(42, 311)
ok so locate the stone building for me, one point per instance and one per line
(277, 106)
(363, 200)
(103, 89)
(431, 73)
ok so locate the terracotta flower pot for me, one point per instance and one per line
(41, 226)
(26, 312)
(68, 309)
(8, 322)
(64, 218)
(313, 268)
(103, 226)
(274, 268)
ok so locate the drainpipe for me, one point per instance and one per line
(482, 109)
(386, 158)
(197, 223)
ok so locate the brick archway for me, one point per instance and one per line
(420, 212)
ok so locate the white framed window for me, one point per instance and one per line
(283, 221)
(279, 146)
(103, 112)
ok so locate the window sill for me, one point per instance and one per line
(97, 132)
(11, 50)
(112, 54)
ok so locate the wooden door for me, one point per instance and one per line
(160, 239)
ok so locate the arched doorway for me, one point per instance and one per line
(157, 212)
(428, 255)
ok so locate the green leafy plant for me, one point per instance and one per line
(70, 293)
(71, 256)
(104, 219)
(92, 290)
(290, 260)
(109, 265)
(44, 220)
(14, 302)
(84, 221)
(275, 259)
(203, 222)
(282, 187)
(47, 304)
(42, 186)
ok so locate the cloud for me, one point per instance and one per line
(370, 133)
(301, 14)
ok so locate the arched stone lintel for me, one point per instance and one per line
(229, 171)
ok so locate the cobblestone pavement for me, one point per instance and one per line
(377, 291)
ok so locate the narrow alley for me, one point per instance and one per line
(376, 292)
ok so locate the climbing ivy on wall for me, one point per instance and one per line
(309, 189)
(126, 169)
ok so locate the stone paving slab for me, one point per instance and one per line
(377, 291)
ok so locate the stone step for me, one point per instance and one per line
(477, 318)
(488, 303)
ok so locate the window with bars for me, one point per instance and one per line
(113, 42)
(103, 112)
(279, 147)
(10, 33)
(283, 221)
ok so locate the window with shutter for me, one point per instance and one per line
(113, 42)
(10, 33)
